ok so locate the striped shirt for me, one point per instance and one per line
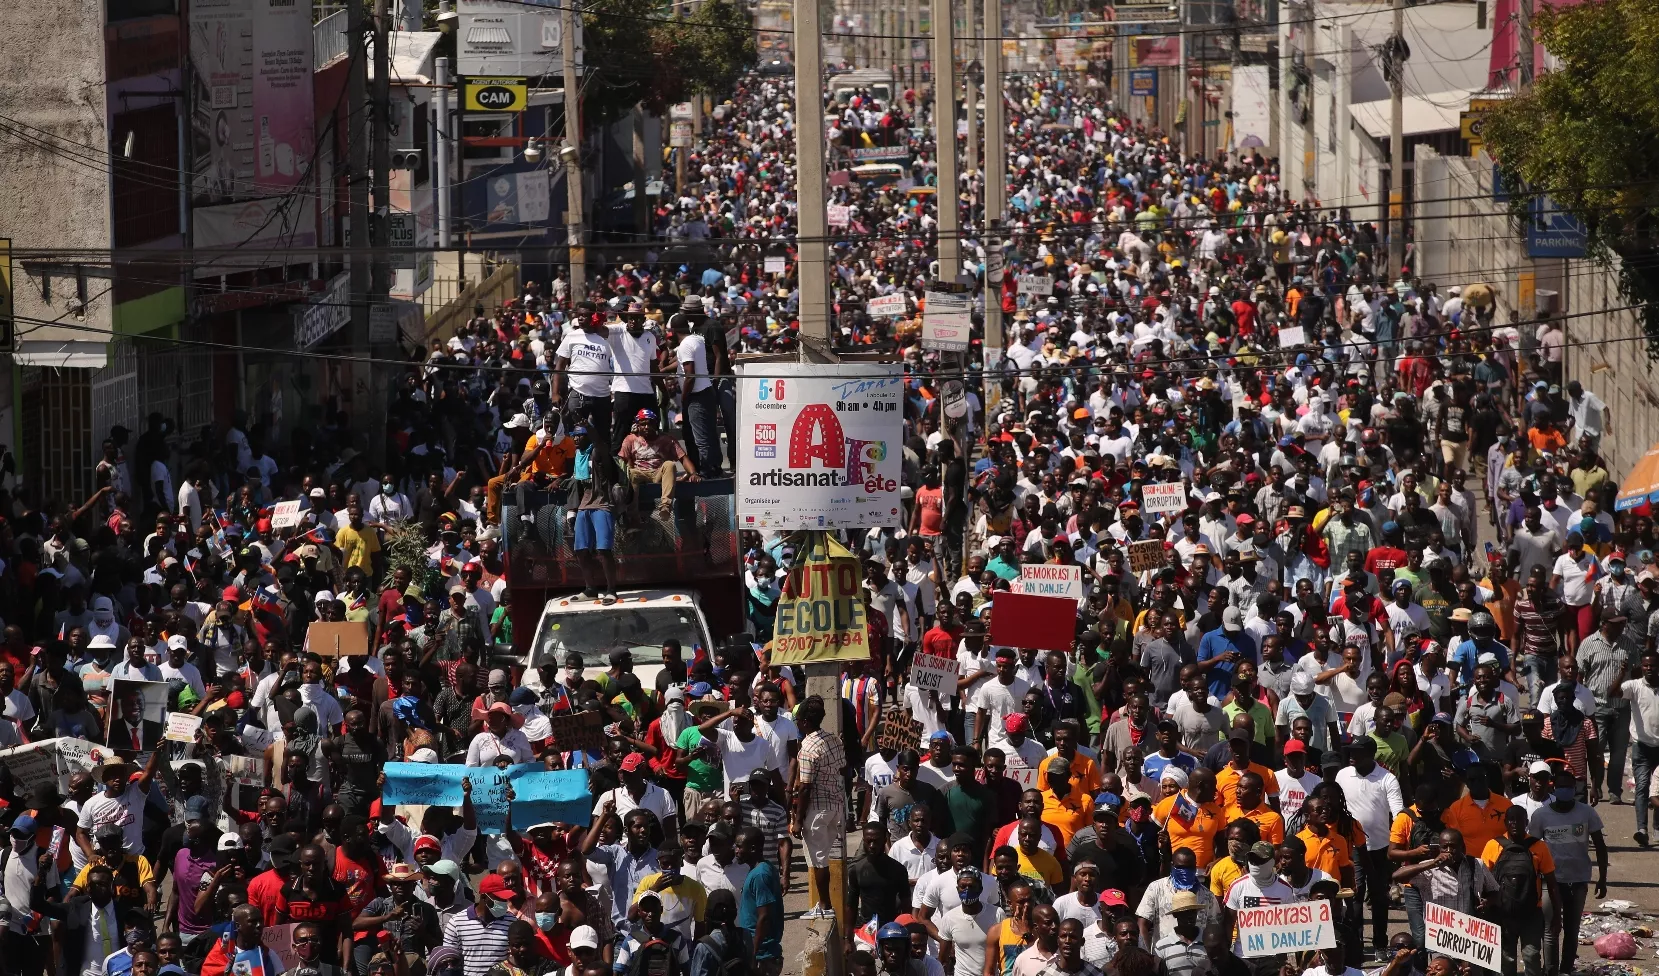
(1578, 752)
(481, 945)
(772, 820)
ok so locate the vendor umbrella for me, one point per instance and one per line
(1641, 485)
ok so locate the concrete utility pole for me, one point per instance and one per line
(440, 109)
(357, 178)
(575, 205)
(1310, 135)
(811, 221)
(996, 198)
(381, 282)
(944, 137)
(642, 209)
(1523, 45)
(971, 99)
(1397, 144)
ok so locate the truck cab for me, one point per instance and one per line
(678, 577)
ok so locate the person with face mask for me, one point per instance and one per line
(389, 505)
(28, 948)
(1156, 918)
(192, 867)
(1260, 885)
(963, 928)
(1569, 827)
(482, 931)
(103, 622)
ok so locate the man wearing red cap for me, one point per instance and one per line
(480, 932)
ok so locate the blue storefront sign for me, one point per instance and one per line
(1143, 81)
(1554, 233)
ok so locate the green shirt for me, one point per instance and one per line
(1259, 713)
(971, 811)
(702, 775)
(1392, 751)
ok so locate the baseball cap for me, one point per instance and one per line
(584, 937)
(1301, 683)
(230, 841)
(178, 642)
(108, 831)
(1295, 747)
(1239, 735)
(1332, 759)
(1441, 717)
(195, 808)
(632, 762)
(1231, 620)
(1113, 898)
(445, 867)
(1538, 768)
(1262, 849)
(23, 826)
(495, 886)
(426, 842)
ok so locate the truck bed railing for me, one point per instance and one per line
(698, 541)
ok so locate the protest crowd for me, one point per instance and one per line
(1356, 624)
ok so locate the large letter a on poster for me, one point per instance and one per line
(817, 433)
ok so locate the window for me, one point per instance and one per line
(146, 183)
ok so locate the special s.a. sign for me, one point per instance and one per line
(818, 446)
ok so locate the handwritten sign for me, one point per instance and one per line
(931, 672)
(1452, 933)
(947, 321)
(1268, 930)
(776, 264)
(35, 764)
(886, 306)
(1146, 555)
(837, 215)
(1050, 579)
(1039, 285)
(285, 515)
(182, 727)
(540, 795)
(898, 730)
(1157, 498)
(1020, 771)
(578, 731)
(1292, 337)
(280, 940)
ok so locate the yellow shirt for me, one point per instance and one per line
(1222, 875)
(358, 546)
(126, 887)
(1041, 865)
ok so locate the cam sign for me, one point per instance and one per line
(818, 446)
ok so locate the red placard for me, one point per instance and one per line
(1048, 623)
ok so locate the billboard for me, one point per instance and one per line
(1158, 52)
(523, 38)
(252, 142)
(818, 446)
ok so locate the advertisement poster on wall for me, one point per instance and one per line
(252, 118)
(819, 446)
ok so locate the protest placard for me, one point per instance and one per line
(34, 764)
(1146, 555)
(1158, 498)
(137, 715)
(837, 215)
(1017, 769)
(930, 672)
(886, 306)
(898, 730)
(1291, 337)
(947, 321)
(540, 795)
(578, 731)
(182, 727)
(1453, 933)
(776, 264)
(336, 640)
(285, 515)
(245, 776)
(1039, 285)
(1268, 930)
(1050, 579)
(1048, 623)
(280, 940)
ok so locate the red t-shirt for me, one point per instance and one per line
(263, 893)
(1384, 557)
(361, 881)
(932, 504)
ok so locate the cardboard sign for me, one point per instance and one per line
(886, 306)
(578, 731)
(1021, 772)
(837, 215)
(898, 730)
(1158, 498)
(1048, 579)
(345, 639)
(1268, 930)
(933, 673)
(1146, 555)
(1292, 336)
(776, 264)
(285, 515)
(182, 727)
(1048, 623)
(1452, 933)
(1040, 285)
(280, 940)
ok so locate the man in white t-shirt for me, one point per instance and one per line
(636, 793)
(585, 367)
(634, 350)
(120, 802)
(1260, 886)
(699, 402)
(1296, 780)
(996, 699)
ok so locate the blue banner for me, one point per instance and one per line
(1143, 81)
(540, 795)
(1555, 233)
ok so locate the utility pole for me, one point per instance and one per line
(381, 115)
(1182, 85)
(1310, 138)
(1397, 142)
(944, 138)
(357, 178)
(642, 209)
(996, 196)
(1523, 44)
(812, 223)
(440, 108)
(971, 100)
(572, 154)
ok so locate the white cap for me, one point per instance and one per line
(424, 755)
(1301, 683)
(178, 642)
(519, 422)
(230, 840)
(323, 595)
(318, 493)
(101, 641)
(584, 937)
(1540, 766)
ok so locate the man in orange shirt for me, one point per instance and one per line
(1544, 438)
(1328, 850)
(1065, 809)
(1477, 815)
(1191, 818)
(1249, 803)
(1085, 772)
(1227, 778)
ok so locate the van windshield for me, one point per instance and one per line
(595, 633)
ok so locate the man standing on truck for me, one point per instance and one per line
(593, 477)
(633, 388)
(585, 367)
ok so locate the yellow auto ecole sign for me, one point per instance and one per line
(497, 94)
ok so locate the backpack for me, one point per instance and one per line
(653, 958)
(732, 962)
(1517, 878)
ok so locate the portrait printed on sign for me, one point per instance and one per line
(137, 715)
